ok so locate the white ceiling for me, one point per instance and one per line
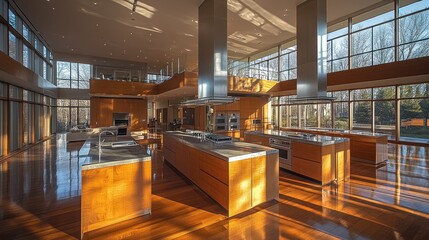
(162, 30)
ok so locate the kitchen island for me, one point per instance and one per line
(365, 147)
(323, 158)
(237, 175)
(116, 183)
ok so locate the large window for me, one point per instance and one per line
(341, 112)
(369, 40)
(414, 110)
(288, 61)
(26, 56)
(13, 46)
(3, 38)
(385, 111)
(71, 113)
(14, 127)
(413, 32)
(338, 45)
(73, 75)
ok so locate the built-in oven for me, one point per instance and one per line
(221, 122)
(234, 121)
(285, 152)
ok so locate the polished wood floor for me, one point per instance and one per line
(40, 199)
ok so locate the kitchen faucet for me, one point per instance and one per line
(99, 139)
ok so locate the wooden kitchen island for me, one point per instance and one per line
(116, 184)
(322, 158)
(237, 175)
(365, 147)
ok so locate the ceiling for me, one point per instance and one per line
(160, 31)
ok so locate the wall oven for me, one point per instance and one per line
(221, 122)
(285, 152)
(234, 121)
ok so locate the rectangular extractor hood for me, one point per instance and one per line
(312, 53)
(212, 55)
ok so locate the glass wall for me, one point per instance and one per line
(73, 75)
(361, 109)
(20, 42)
(385, 111)
(71, 112)
(370, 109)
(368, 40)
(341, 113)
(414, 112)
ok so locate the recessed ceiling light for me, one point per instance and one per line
(72, 49)
(53, 8)
(96, 24)
(95, 3)
(131, 33)
(62, 36)
(111, 54)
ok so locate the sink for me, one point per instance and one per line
(124, 144)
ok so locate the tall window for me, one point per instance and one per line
(12, 18)
(3, 38)
(288, 61)
(362, 110)
(338, 45)
(385, 111)
(13, 46)
(72, 112)
(73, 75)
(413, 30)
(372, 37)
(341, 109)
(414, 110)
(26, 56)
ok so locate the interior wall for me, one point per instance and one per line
(102, 109)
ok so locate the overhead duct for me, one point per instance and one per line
(212, 54)
(312, 52)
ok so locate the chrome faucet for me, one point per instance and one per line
(99, 139)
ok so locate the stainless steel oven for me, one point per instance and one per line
(221, 122)
(234, 121)
(285, 152)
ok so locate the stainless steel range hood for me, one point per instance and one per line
(312, 52)
(212, 55)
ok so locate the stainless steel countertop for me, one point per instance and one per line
(111, 156)
(230, 152)
(300, 137)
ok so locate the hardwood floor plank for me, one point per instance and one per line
(40, 199)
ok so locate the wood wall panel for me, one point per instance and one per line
(102, 110)
(407, 68)
(120, 88)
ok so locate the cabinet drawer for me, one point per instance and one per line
(306, 151)
(215, 167)
(307, 168)
(214, 188)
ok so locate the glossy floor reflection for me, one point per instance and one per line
(40, 199)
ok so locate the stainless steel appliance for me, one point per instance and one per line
(285, 152)
(233, 121)
(217, 138)
(221, 123)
